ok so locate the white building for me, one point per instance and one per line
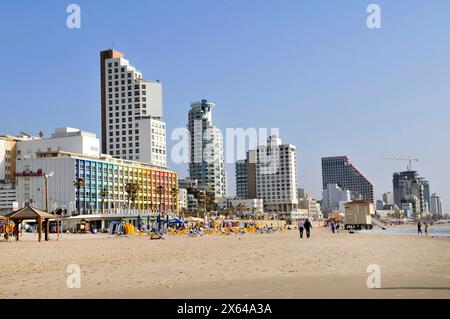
(8, 152)
(248, 206)
(153, 141)
(132, 112)
(306, 202)
(436, 205)
(334, 198)
(388, 199)
(206, 149)
(64, 139)
(7, 197)
(276, 176)
(182, 198)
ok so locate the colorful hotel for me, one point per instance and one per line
(98, 188)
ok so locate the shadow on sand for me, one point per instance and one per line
(413, 288)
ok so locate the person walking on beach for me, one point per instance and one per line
(308, 227)
(419, 228)
(426, 229)
(301, 227)
(333, 226)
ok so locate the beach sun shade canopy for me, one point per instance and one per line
(29, 213)
(176, 221)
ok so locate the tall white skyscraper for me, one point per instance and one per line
(206, 149)
(276, 176)
(132, 111)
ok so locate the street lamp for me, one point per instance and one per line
(64, 212)
(46, 177)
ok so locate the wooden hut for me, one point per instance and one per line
(42, 218)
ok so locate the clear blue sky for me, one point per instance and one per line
(311, 68)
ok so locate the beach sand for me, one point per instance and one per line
(278, 265)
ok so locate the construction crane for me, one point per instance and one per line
(409, 159)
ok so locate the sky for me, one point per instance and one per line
(313, 69)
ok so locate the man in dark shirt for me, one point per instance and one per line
(308, 227)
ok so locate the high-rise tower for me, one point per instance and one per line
(410, 188)
(339, 170)
(206, 149)
(132, 111)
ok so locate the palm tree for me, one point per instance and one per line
(253, 213)
(211, 200)
(132, 190)
(104, 193)
(160, 190)
(240, 209)
(207, 197)
(78, 183)
(230, 211)
(174, 193)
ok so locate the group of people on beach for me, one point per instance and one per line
(419, 228)
(304, 225)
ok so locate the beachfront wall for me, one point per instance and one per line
(156, 188)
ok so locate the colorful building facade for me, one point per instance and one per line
(156, 190)
(82, 185)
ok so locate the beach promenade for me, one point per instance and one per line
(278, 265)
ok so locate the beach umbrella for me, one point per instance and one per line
(158, 220)
(176, 221)
(167, 223)
(139, 222)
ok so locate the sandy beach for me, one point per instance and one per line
(278, 265)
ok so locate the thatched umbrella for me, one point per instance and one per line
(29, 212)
